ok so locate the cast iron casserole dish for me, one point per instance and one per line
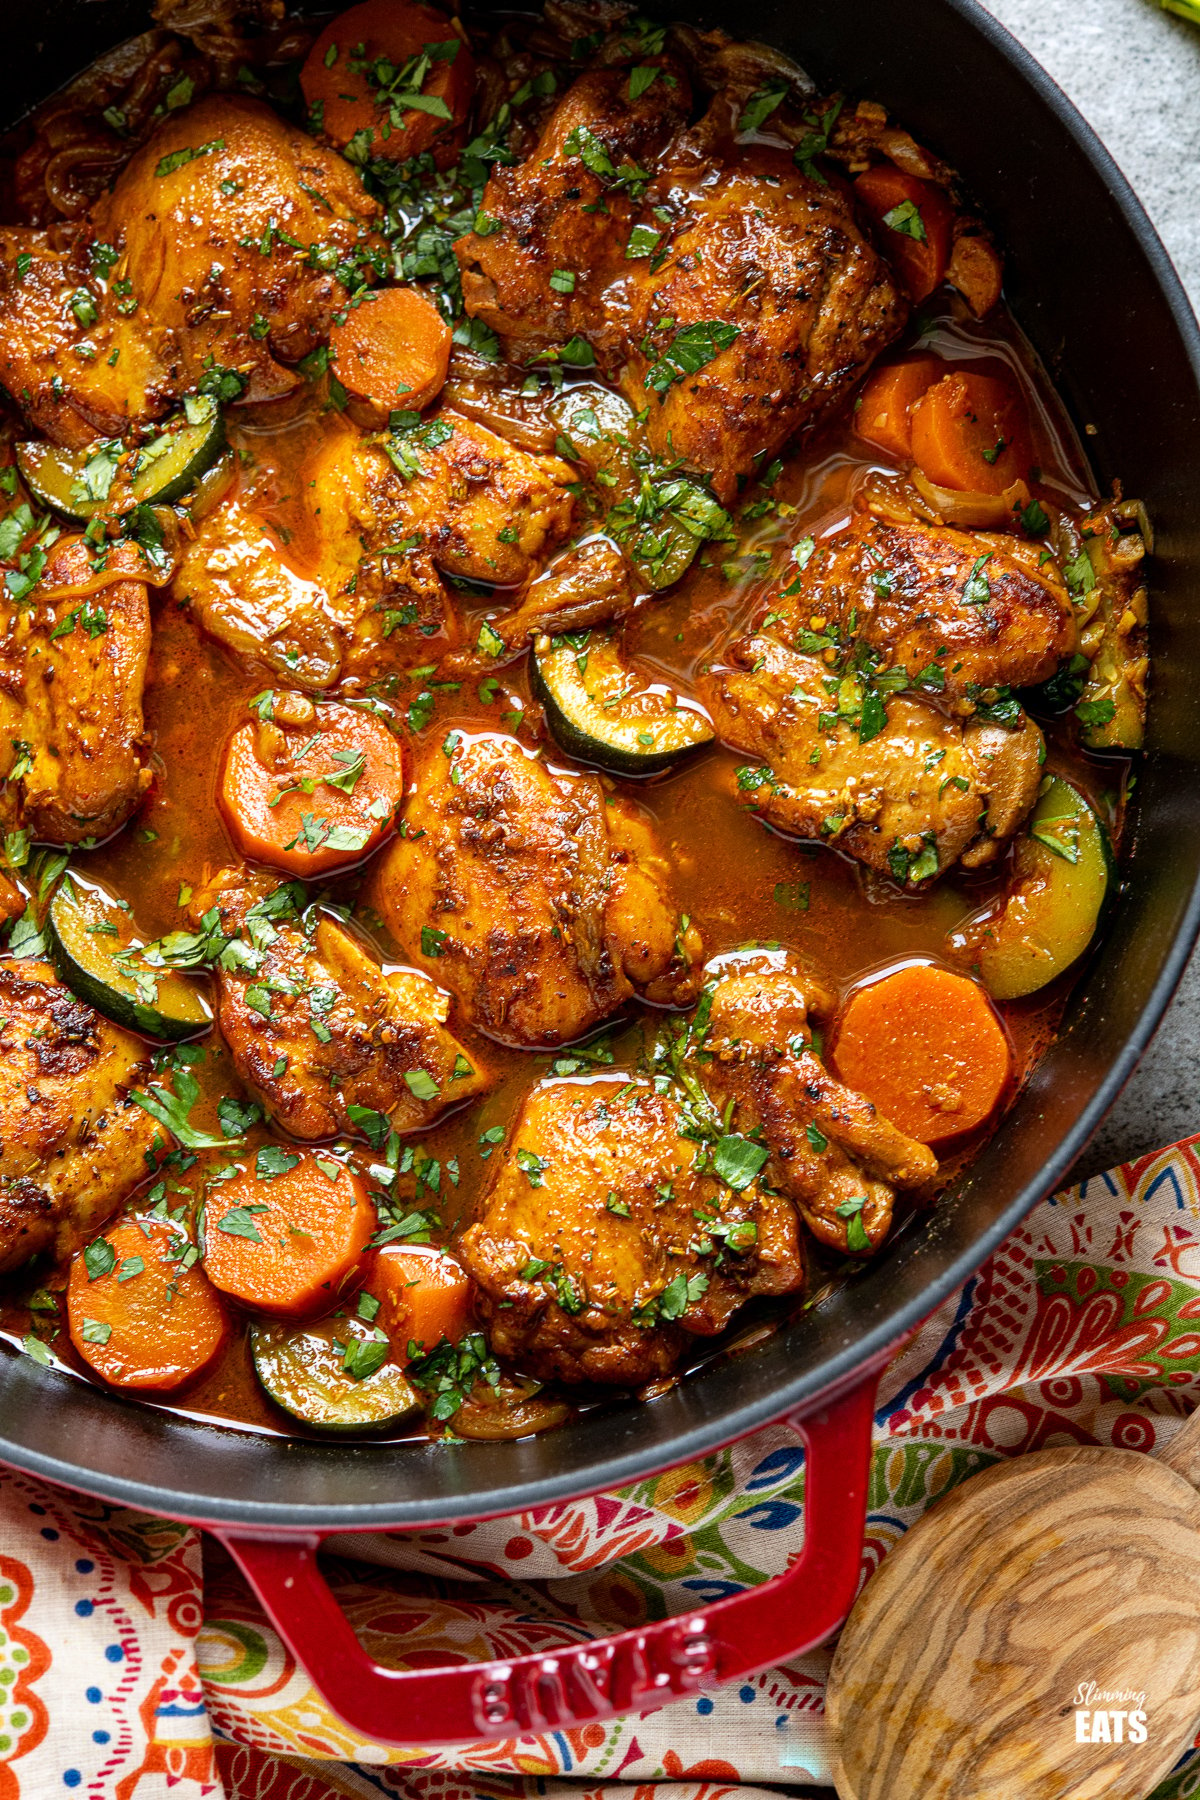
(1090, 283)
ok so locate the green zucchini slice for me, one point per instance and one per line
(1064, 870)
(72, 483)
(303, 1369)
(79, 483)
(95, 944)
(596, 714)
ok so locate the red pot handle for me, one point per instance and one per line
(630, 1671)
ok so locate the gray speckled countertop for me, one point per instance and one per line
(1134, 73)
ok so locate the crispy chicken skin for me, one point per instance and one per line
(780, 258)
(922, 622)
(484, 508)
(75, 381)
(976, 606)
(608, 1238)
(348, 1034)
(555, 907)
(756, 246)
(305, 600)
(75, 756)
(299, 598)
(597, 1218)
(758, 1053)
(926, 782)
(556, 212)
(229, 215)
(222, 237)
(72, 1144)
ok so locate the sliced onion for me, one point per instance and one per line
(67, 194)
(985, 512)
(509, 1411)
(106, 578)
(893, 497)
(904, 151)
(746, 67)
(1133, 513)
(521, 424)
(124, 563)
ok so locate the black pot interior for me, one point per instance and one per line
(1094, 290)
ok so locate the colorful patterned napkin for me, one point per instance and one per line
(128, 1672)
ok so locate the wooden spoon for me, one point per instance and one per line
(1032, 1593)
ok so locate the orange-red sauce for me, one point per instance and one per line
(736, 879)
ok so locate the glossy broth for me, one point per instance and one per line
(736, 879)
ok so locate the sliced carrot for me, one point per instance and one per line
(396, 71)
(882, 416)
(391, 352)
(284, 1234)
(138, 1314)
(424, 1295)
(927, 1047)
(970, 432)
(314, 795)
(918, 223)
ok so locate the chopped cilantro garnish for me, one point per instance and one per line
(690, 350)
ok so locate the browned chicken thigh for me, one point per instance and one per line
(571, 206)
(291, 590)
(542, 908)
(960, 609)
(627, 1214)
(767, 308)
(606, 1241)
(73, 354)
(924, 791)
(72, 1143)
(829, 1149)
(222, 253)
(876, 692)
(740, 300)
(242, 237)
(483, 508)
(319, 1033)
(75, 755)
(349, 586)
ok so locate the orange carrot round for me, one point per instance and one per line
(391, 352)
(398, 72)
(883, 414)
(927, 1047)
(970, 432)
(917, 221)
(317, 795)
(137, 1314)
(424, 1295)
(285, 1234)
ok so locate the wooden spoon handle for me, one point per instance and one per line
(1061, 1572)
(1183, 1455)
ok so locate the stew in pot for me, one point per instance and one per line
(566, 706)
